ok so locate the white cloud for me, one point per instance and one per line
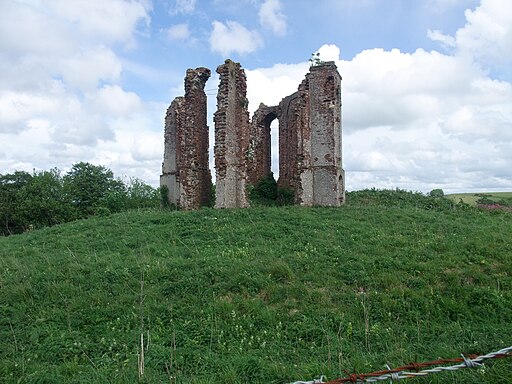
(17, 108)
(178, 32)
(60, 92)
(270, 85)
(23, 29)
(428, 115)
(486, 36)
(86, 70)
(446, 40)
(232, 37)
(184, 6)
(272, 18)
(107, 21)
(329, 52)
(112, 100)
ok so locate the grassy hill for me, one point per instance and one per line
(260, 295)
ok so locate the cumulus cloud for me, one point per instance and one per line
(112, 100)
(427, 114)
(85, 70)
(61, 98)
(486, 37)
(233, 37)
(270, 85)
(329, 52)
(272, 18)
(178, 32)
(17, 108)
(60, 22)
(108, 21)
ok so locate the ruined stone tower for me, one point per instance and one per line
(185, 169)
(309, 140)
(232, 132)
(328, 176)
(310, 158)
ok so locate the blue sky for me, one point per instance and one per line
(427, 84)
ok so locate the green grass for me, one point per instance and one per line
(471, 198)
(260, 295)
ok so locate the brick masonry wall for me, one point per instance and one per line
(259, 154)
(232, 131)
(185, 169)
(310, 139)
(325, 114)
(294, 143)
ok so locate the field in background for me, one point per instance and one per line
(259, 295)
(471, 198)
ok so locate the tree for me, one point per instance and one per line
(10, 184)
(142, 195)
(92, 188)
(436, 193)
(42, 202)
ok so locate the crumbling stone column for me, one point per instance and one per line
(185, 169)
(325, 121)
(232, 130)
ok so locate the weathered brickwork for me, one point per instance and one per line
(185, 169)
(295, 144)
(232, 130)
(310, 139)
(325, 123)
(259, 154)
(310, 158)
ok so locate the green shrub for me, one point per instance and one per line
(164, 196)
(436, 193)
(264, 192)
(285, 196)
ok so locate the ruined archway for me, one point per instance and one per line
(259, 155)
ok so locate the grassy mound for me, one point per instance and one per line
(260, 295)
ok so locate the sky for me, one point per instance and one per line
(426, 89)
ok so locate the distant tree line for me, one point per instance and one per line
(45, 198)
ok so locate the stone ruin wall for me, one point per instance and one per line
(328, 177)
(185, 169)
(295, 144)
(232, 130)
(260, 153)
(310, 159)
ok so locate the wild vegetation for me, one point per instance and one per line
(267, 193)
(259, 295)
(46, 198)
